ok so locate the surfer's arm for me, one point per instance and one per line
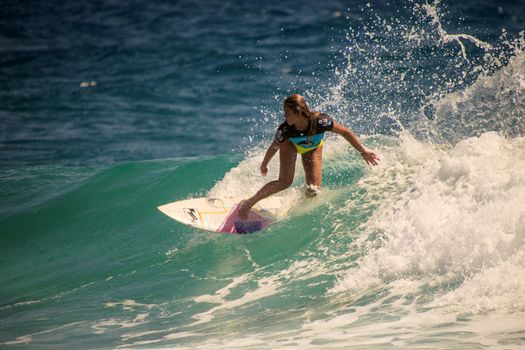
(274, 147)
(349, 136)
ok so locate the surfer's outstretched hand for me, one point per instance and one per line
(370, 157)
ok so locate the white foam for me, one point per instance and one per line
(459, 215)
(139, 312)
(266, 286)
(28, 338)
(499, 289)
(219, 295)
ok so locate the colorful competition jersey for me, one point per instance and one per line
(302, 142)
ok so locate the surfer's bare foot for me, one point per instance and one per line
(311, 191)
(244, 209)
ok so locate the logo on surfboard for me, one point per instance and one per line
(193, 214)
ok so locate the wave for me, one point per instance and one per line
(418, 250)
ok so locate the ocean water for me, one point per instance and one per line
(109, 109)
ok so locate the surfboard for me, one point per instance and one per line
(221, 215)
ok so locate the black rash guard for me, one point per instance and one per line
(302, 142)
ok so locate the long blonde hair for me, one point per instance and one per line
(297, 104)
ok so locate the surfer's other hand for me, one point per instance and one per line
(370, 157)
(264, 169)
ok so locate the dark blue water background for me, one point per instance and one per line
(86, 82)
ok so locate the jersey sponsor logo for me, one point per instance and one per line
(306, 142)
(325, 122)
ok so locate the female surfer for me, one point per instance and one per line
(302, 132)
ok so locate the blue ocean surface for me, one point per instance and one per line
(109, 109)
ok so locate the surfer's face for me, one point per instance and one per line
(291, 117)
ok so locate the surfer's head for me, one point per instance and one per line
(295, 107)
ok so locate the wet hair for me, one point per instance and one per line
(297, 104)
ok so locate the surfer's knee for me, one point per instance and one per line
(285, 182)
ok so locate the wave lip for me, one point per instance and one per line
(494, 102)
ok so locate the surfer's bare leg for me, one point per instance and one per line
(312, 164)
(287, 158)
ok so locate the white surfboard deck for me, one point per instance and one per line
(210, 214)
